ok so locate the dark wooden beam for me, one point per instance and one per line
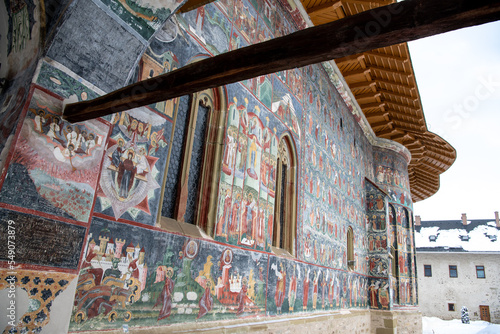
(193, 4)
(396, 23)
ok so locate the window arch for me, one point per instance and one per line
(285, 206)
(194, 159)
(350, 249)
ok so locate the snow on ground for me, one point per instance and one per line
(432, 325)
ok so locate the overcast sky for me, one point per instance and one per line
(458, 77)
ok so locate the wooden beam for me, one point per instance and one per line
(389, 70)
(403, 96)
(349, 59)
(388, 56)
(348, 75)
(397, 104)
(376, 114)
(370, 95)
(193, 4)
(363, 85)
(381, 124)
(372, 105)
(380, 27)
(395, 83)
(324, 8)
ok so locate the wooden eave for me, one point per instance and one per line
(383, 83)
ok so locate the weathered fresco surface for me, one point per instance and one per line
(392, 176)
(42, 289)
(144, 277)
(55, 165)
(95, 190)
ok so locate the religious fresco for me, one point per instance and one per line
(245, 20)
(379, 293)
(391, 173)
(19, 41)
(300, 287)
(61, 81)
(286, 107)
(392, 176)
(333, 175)
(10, 113)
(133, 274)
(42, 289)
(40, 241)
(140, 277)
(248, 178)
(56, 163)
(143, 17)
(262, 88)
(130, 176)
(209, 26)
(377, 222)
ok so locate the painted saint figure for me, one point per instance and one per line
(206, 301)
(292, 291)
(117, 154)
(165, 297)
(279, 296)
(126, 174)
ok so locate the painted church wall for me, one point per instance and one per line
(378, 247)
(93, 191)
(391, 175)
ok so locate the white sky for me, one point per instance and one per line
(458, 77)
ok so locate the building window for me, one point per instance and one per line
(285, 206)
(350, 248)
(453, 271)
(480, 272)
(451, 307)
(427, 270)
(187, 193)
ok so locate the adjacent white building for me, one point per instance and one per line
(458, 264)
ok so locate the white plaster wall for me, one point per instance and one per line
(467, 290)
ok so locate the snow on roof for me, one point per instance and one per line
(477, 236)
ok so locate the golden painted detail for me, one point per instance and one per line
(42, 289)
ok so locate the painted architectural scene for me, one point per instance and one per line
(147, 277)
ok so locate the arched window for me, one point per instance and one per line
(285, 206)
(392, 240)
(350, 249)
(190, 193)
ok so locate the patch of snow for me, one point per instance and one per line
(433, 325)
(483, 238)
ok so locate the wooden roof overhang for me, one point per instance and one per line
(384, 85)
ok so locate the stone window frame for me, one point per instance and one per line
(483, 270)
(453, 271)
(206, 207)
(283, 242)
(427, 269)
(350, 248)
